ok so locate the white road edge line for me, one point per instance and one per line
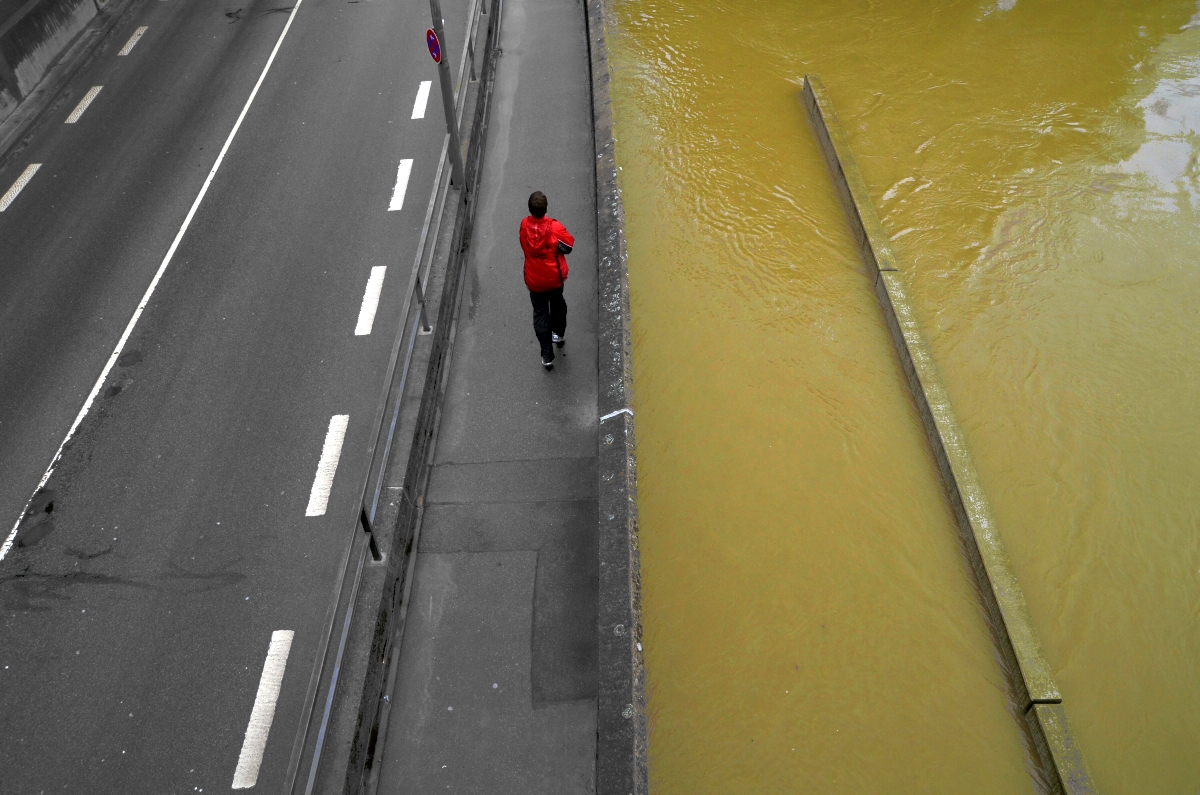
(6, 200)
(255, 742)
(318, 498)
(141, 307)
(83, 104)
(422, 99)
(402, 175)
(370, 302)
(137, 34)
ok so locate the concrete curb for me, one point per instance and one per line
(621, 727)
(1004, 600)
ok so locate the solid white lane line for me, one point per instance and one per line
(255, 742)
(83, 104)
(318, 498)
(137, 34)
(11, 194)
(370, 302)
(162, 268)
(402, 175)
(422, 99)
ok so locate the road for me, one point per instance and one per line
(183, 528)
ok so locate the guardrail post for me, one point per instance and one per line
(376, 555)
(419, 292)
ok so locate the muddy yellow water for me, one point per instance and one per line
(810, 624)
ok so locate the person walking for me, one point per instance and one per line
(545, 242)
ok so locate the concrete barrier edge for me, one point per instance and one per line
(1005, 602)
(31, 42)
(621, 726)
(18, 121)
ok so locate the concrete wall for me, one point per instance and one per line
(1010, 623)
(32, 36)
(8, 102)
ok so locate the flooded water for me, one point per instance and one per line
(810, 623)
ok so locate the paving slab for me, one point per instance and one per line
(465, 717)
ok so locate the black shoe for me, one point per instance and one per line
(547, 363)
(559, 341)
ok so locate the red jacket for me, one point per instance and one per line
(545, 267)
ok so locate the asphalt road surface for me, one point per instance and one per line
(176, 569)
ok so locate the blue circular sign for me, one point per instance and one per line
(435, 46)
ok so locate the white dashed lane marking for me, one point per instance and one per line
(318, 498)
(422, 99)
(255, 742)
(137, 34)
(370, 302)
(83, 104)
(17, 186)
(402, 175)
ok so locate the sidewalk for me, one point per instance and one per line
(497, 681)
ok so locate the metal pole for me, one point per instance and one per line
(456, 165)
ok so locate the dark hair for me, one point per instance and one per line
(538, 204)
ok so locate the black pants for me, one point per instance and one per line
(549, 316)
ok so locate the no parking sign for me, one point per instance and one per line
(435, 46)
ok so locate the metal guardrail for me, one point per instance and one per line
(375, 711)
(346, 596)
